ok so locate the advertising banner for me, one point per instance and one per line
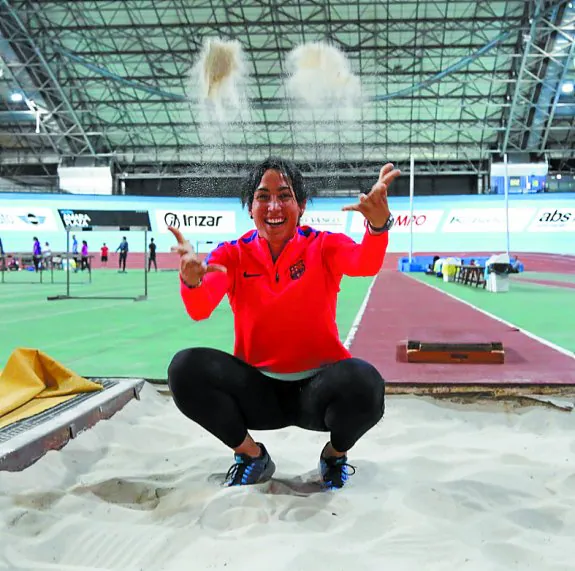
(326, 220)
(197, 221)
(422, 221)
(553, 220)
(486, 219)
(27, 219)
(89, 219)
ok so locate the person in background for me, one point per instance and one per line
(2, 257)
(152, 255)
(84, 253)
(438, 267)
(514, 266)
(13, 263)
(104, 255)
(47, 255)
(75, 251)
(289, 366)
(123, 249)
(429, 270)
(36, 254)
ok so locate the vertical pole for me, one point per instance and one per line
(506, 189)
(411, 188)
(68, 261)
(145, 262)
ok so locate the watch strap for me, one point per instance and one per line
(383, 228)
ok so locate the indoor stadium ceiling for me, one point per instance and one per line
(449, 82)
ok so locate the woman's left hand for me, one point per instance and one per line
(374, 205)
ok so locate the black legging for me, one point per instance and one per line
(228, 397)
(122, 260)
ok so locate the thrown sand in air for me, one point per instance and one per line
(218, 89)
(327, 99)
(321, 76)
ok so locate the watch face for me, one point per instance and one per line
(390, 221)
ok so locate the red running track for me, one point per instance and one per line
(400, 308)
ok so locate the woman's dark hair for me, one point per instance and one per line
(286, 167)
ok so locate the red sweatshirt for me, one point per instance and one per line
(284, 312)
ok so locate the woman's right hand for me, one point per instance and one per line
(192, 268)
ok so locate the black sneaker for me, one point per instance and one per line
(248, 470)
(335, 471)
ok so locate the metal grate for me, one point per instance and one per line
(22, 426)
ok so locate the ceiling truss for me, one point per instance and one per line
(451, 83)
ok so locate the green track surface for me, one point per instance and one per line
(545, 311)
(98, 337)
(569, 278)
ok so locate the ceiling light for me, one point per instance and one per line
(16, 97)
(567, 87)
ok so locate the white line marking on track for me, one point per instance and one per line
(355, 325)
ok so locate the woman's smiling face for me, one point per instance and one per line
(274, 208)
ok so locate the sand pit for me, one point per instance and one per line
(438, 486)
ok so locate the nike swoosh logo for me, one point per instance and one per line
(246, 275)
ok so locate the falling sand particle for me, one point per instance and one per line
(220, 65)
(217, 89)
(320, 75)
(327, 99)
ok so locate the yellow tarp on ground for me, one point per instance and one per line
(32, 382)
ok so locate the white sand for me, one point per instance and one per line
(439, 486)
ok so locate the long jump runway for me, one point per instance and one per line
(400, 307)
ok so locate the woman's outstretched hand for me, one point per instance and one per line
(374, 205)
(192, 268)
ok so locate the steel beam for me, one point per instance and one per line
(127, 68)
(33, 45)
(558, 71)
(546, 53)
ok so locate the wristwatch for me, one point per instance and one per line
(386, 227)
